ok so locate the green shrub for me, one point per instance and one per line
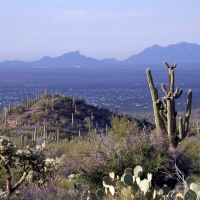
(79, 101)
(64, 183)
(56, 95)
(192, 147)
(67, 104)
(37, 117)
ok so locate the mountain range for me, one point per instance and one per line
(176, 53)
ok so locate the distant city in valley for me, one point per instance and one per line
(120, 86)
(125, 89)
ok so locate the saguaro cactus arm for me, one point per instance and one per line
(156, 106)
(162, 115)
(167, 66)
(176, 95)
(183, 127)
(164, 100)
(164, 89)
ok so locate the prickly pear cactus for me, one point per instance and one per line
(133, 187)
(127, 185)
(190, 195)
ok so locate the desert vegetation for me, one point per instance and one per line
(60, 147)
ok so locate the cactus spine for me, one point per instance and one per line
(167, 106)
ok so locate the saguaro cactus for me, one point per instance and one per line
(38, 95)
(165, 110)
(22, 101)
(9, 105)
(46, 90)
(28, 100)
(5, 114)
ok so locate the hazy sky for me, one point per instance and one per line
(31, 29)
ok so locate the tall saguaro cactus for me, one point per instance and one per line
(28, 100)
(165, 110)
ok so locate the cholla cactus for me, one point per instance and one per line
(51, 168)
(30, 159)
(7, 152)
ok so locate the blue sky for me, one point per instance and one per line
(97, 28)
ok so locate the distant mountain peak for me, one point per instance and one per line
(180, 52)
(46, 57)
(75, 52)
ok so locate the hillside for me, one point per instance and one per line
(55, 117)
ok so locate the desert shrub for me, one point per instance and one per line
(191, 146)
(55, 116)
(22, 121)
(79, 101)
(45, 96)
(87, 122)
(51, 123)
(26, 115)
(96, 157)
(62, 135)
(57, 104)
(67, 104)
(64, 183)
(20, 109)
(63, 120)
(66, 98)
(56, 95)
(42, 105)
(37, 117)
(62, 112)
(5, 132)
(57, 149)
(2, 179)
(122, 126)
